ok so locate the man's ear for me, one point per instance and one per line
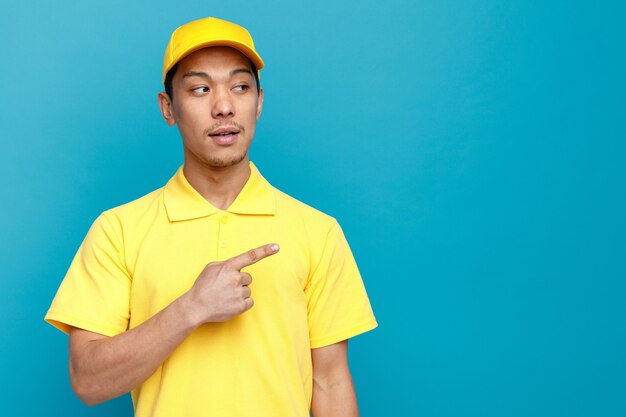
(259, 106)
(165, 104)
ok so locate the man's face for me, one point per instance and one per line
(215, 105)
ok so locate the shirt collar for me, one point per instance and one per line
(183, 202)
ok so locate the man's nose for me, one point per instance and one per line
(223, 105)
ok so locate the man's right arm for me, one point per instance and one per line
(102, 368)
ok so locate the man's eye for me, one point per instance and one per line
(201, 90)
(242, 87)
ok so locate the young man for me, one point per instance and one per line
(184, 296)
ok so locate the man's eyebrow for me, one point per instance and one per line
(196, 74)
(204, 75)
(241, 70)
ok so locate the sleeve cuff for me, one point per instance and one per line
(343, 334)
(64, 322)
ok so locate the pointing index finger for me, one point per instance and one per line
(252, 256)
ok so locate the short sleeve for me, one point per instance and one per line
(95, 293)
(337, 303)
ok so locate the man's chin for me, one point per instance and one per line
(225, 162)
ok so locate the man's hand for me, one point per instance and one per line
(222, 291)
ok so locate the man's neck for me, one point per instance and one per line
(220, 186)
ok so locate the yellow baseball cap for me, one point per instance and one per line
(209, 31)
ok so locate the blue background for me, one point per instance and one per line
(473, 151)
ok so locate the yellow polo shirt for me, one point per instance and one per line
(139, 257)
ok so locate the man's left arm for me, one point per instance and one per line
(333, 389)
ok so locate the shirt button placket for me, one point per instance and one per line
(223, 240)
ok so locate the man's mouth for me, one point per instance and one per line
(230, 133)
(225, 135)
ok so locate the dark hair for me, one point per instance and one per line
(170, 75)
